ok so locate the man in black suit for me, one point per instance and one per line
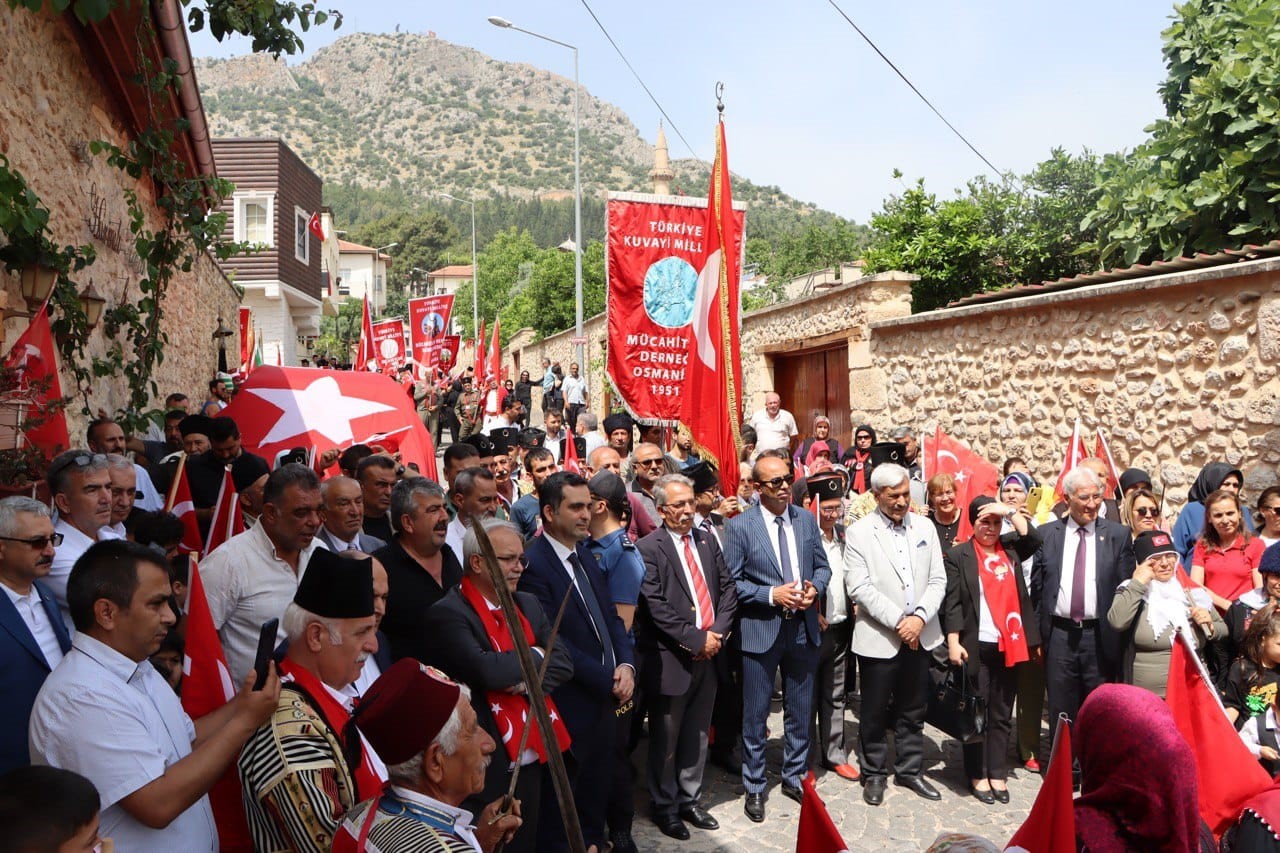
(1081, 561)
(559, 564)
(342, 517)
(466, 650)
(421, 568)
(687, 605)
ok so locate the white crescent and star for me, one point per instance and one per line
(320, 407)
(1013, 633)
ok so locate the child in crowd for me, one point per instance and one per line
(1259, 735)
(1251, 684)
(48, 810)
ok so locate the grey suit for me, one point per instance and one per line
(364, 542)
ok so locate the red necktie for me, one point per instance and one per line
(699, 585)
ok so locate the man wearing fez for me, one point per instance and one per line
(299, 772)
(249, 475)
(505, 446)
(617, 427)
(474, 645)
(436, 757)
(485, 450)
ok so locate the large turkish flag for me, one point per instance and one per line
(279, 408)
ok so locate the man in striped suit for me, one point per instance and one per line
(780, 568)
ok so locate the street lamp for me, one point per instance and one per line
(577, 188)
(377, 253)
(475, 291)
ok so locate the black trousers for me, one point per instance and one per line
(534, 779)
(998, 685)
(726, 716)
(1073, 668)
(895, 691)
(622, 804)
(590, 775)
(573, 410)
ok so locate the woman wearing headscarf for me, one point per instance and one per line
(1150, 608)
(821, 435)
(858, 459)
(1190, 524)
(991, 629)
(1138, 788)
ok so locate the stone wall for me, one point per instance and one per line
(559, 347)
(52, 106)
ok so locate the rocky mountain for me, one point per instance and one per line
(406, 115)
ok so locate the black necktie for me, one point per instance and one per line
(588, 595)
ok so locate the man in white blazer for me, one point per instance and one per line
(894, 572)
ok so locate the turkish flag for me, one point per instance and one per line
(974, 475)
(479, 342)
(494, 373)
(1102, 450)
(712, 397)
(1227, 773)
(1072, 458)
(314, 226)
(1050, 827)
(817, 832)
(33, 359)
(569, 455)
(279, 408)
(227, 519)
(366, 358)
(181, 505)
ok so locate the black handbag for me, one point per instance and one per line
(955, 707)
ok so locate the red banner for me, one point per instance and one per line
(447, 357)
(246, 340)
(388, 345)
(428, 329)
(657, 245)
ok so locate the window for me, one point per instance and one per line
(254, 215)
(301, 236)
(344, 282)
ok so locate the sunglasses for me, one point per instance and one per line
(648, 463)
(1146, 511)
(37, 542)
(82, 461)
(776, 482)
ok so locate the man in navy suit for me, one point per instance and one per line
(35, 637)
(559, 564)
(1082, 559)
(780, 568)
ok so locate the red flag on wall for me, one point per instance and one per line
(315, 227)
(247, 342)
(712, 400)
(974, 475)
(33, 358)
(366, 359)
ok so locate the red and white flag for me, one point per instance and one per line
(1102, 450)
(366, 357)
(494, 371)
(227, 519)
(33, 357)
(569, 456)
(973, 474)
(279, 408)
(181, 505)
(713, 391)
(1074, 456)
(817, 832)
(315, 227)
(480, 354)
(1050, 827)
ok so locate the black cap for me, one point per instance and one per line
(1152, 542)
(297, 455)
(883, 452)
(976, 505)
(580, 446)
(609, 487)
(1132, 477)
(195, 425)
(531, 437)
(704, 476)
(336, 587)
(618, 420)
(826, 486)
(504, 438)
(481, 443)
(247, 470)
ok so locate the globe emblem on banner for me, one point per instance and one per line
(432, 325)
(670, 286)
(389, 348)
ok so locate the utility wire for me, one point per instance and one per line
(919, 94)
(636, 75)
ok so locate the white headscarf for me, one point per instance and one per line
(1167, 606)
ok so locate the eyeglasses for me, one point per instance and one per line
(776, 482)
(38, 542)
(1272, 508)
(649, 463)
(1146, 511)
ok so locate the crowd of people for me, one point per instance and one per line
(395, 711)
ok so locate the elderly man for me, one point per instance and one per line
(124, 492)
(894, 573)
(506, 456)
(1082, 559)
(249, 476)
(377, 475)
(107, 714)
(421, 568)
(437, 754)
(589, 428)
(687, 605)
(106, 436)
(474, 645)
(254, 575)
(474, 496)
(911, 461)
(81, 487)
(29, 617)
(775, 427)
(342, 517)
(648, 463)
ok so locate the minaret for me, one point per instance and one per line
(661, 173)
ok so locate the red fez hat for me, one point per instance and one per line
(404, 710)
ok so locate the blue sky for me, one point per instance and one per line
(809, 106)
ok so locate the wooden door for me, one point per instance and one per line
(816, 382)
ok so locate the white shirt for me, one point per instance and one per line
(789, 533)
(594, 441)
(246, 584)
(678, 540)
(119, 724)
(453, 536)
(1249, 732)
(37, 621)
(463, 825)
(492, 422)
(987, 630)
(74, 543)
(698, 519)
(346, 697)
(837, 592)
(148, 498)
(574, 390)
(900, 536)
(552, 443)
(1062, 607)
(773, 433)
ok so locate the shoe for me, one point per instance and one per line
(672, 827)
(873, 790)
(919, 785)
(621, 842)
(986, 797)
(1032, 765)
(1002, 796)
(791, 792)
(845, 771)
(699, 817)
(754, 807)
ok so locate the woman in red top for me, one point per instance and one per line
(1225, 560)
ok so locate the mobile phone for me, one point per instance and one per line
(266, 650)
(1033, 499)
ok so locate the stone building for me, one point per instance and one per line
(63, 85)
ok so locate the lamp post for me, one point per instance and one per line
(377, 253)
(577, 189)
(475, 291)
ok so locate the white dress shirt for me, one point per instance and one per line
(74, 543)
(900, 536)
(771, 528)
(37, 621)
(837, 591)
(678, 540)
(149, 498)
(246, 584)
(1071, 540)
(454, 534)
(575, 391)
(699, 518)
(119, 724)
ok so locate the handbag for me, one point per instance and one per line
(955, 707)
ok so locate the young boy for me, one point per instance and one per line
(48, 810)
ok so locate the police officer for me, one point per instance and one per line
(624, 570)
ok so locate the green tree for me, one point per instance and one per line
(547, 303)
(338, 334)
(1208, 176)
(502, 266)
(421, 240)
